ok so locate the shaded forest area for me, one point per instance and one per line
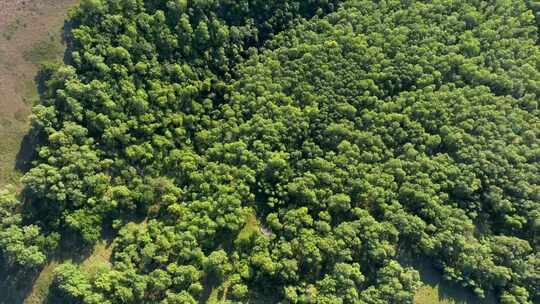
(286, 152)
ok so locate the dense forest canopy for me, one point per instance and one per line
(288, 151)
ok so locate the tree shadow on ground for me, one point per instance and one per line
(447, 290)
(27, 154)
(15, 283)
(27, 151)
(67, 39)
(78, 257)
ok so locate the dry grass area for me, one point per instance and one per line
(30, 33)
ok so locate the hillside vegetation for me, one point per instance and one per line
(30, 33)
(290, 151)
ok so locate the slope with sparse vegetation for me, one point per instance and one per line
(30, 34)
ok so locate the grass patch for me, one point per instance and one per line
(21, 115)
(46, 50)
(218, 294)
(40, 289)
(5, 123)
(12, 132)
(2, 58)
(12, 28)
(436, 290)
(214, 296)
(98, 260)
(252, 227)
(430, 295)
(30, 92)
